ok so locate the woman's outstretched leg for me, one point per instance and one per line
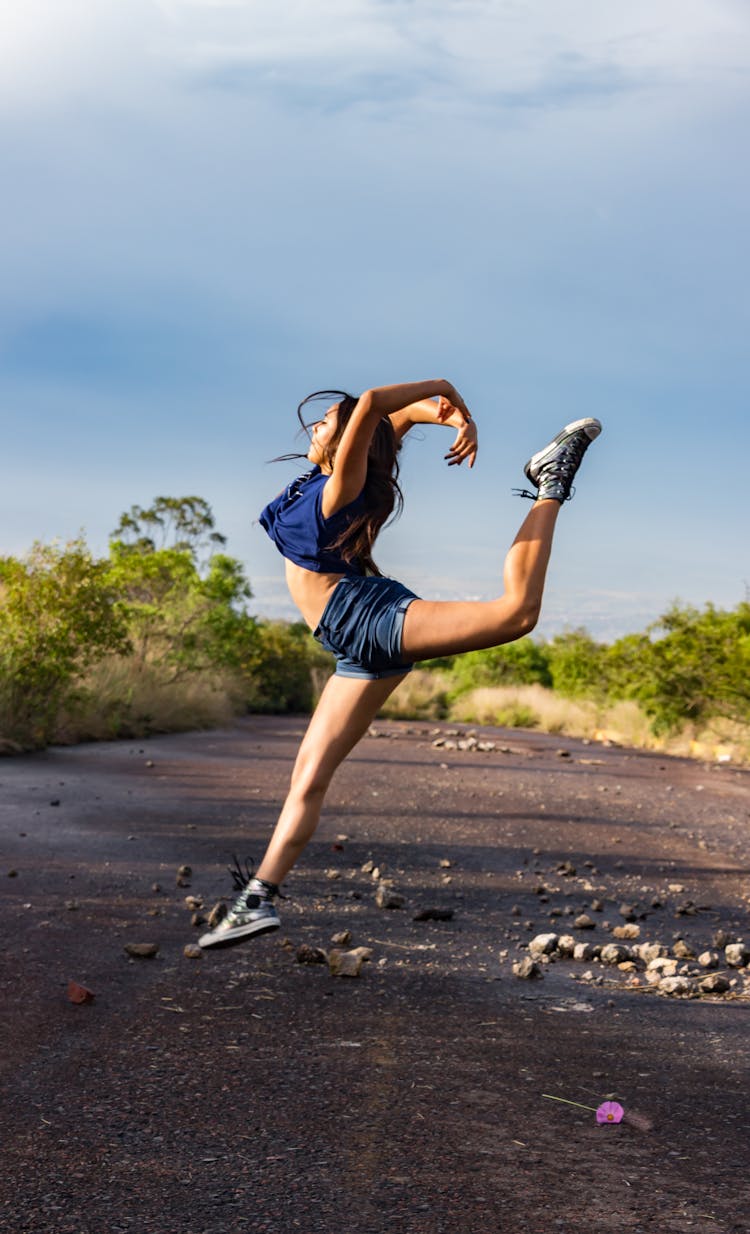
(345, 711)
(445, 628)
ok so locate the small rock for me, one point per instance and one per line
(687, 909)
(516, 911)
(344, 963)
(79, 993)
(631, 930)
(566, 945)
(367, 867)
(628, 912)
(72, 905)
(715, 983)
(567, 869)
(142, 950)
(709, 959)
(342, 939)
(675, 888)
(736, 955)
(676, 985)
(156, 887)
(332, 875)
(682, 950)
(721, 939)
(385, 897)
(584, 922)
(543, 944)
(192, 951)
(193, 903)
(650, 951)
(615, 953)
(445, 864)
(527, 969)
(311, 955)
(197, 919)
(585, 952)
(597, 906)
(663, 965)
(217, 914)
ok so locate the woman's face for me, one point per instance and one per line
(323, 433)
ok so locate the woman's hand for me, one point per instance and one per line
(465, 446)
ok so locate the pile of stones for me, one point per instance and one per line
(723, 969)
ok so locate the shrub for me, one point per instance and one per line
(58, 615)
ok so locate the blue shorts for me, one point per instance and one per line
(362, 625)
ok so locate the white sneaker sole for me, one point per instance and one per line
(227, 938)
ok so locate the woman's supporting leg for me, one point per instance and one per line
(347, 707)
(447, 627)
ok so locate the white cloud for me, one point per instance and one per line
(501, 50)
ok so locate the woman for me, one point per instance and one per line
(325, 524)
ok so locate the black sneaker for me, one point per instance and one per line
(252, 913)
(553, 469)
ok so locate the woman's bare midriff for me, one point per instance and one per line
(310, 591)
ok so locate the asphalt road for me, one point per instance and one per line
(245, 1092)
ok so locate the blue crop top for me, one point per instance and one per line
(294, 521)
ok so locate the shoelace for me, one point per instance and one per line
(240, 877)
(524, 492)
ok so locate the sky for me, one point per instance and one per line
(212, 207)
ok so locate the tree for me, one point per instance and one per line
(184, 615)
(182, 523)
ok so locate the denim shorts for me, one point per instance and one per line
(362, 624)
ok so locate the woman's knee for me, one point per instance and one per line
(310, 780)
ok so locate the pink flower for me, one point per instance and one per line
(609, 1112)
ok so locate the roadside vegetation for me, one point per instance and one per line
(158, 636)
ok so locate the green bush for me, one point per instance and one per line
(283, 668)
(694, 668)
(59, 613)
(577, 665)
(521, 663)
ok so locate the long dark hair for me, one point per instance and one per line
(383, 498)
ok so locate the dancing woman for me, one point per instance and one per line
(325, 524)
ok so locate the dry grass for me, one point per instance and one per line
(423, 696)
(127, 700)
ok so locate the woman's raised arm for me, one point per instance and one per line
(350, 466)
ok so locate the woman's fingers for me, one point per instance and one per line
(464, 447)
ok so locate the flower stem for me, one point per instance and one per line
(566, 1102)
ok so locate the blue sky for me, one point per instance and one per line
(212, 207)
